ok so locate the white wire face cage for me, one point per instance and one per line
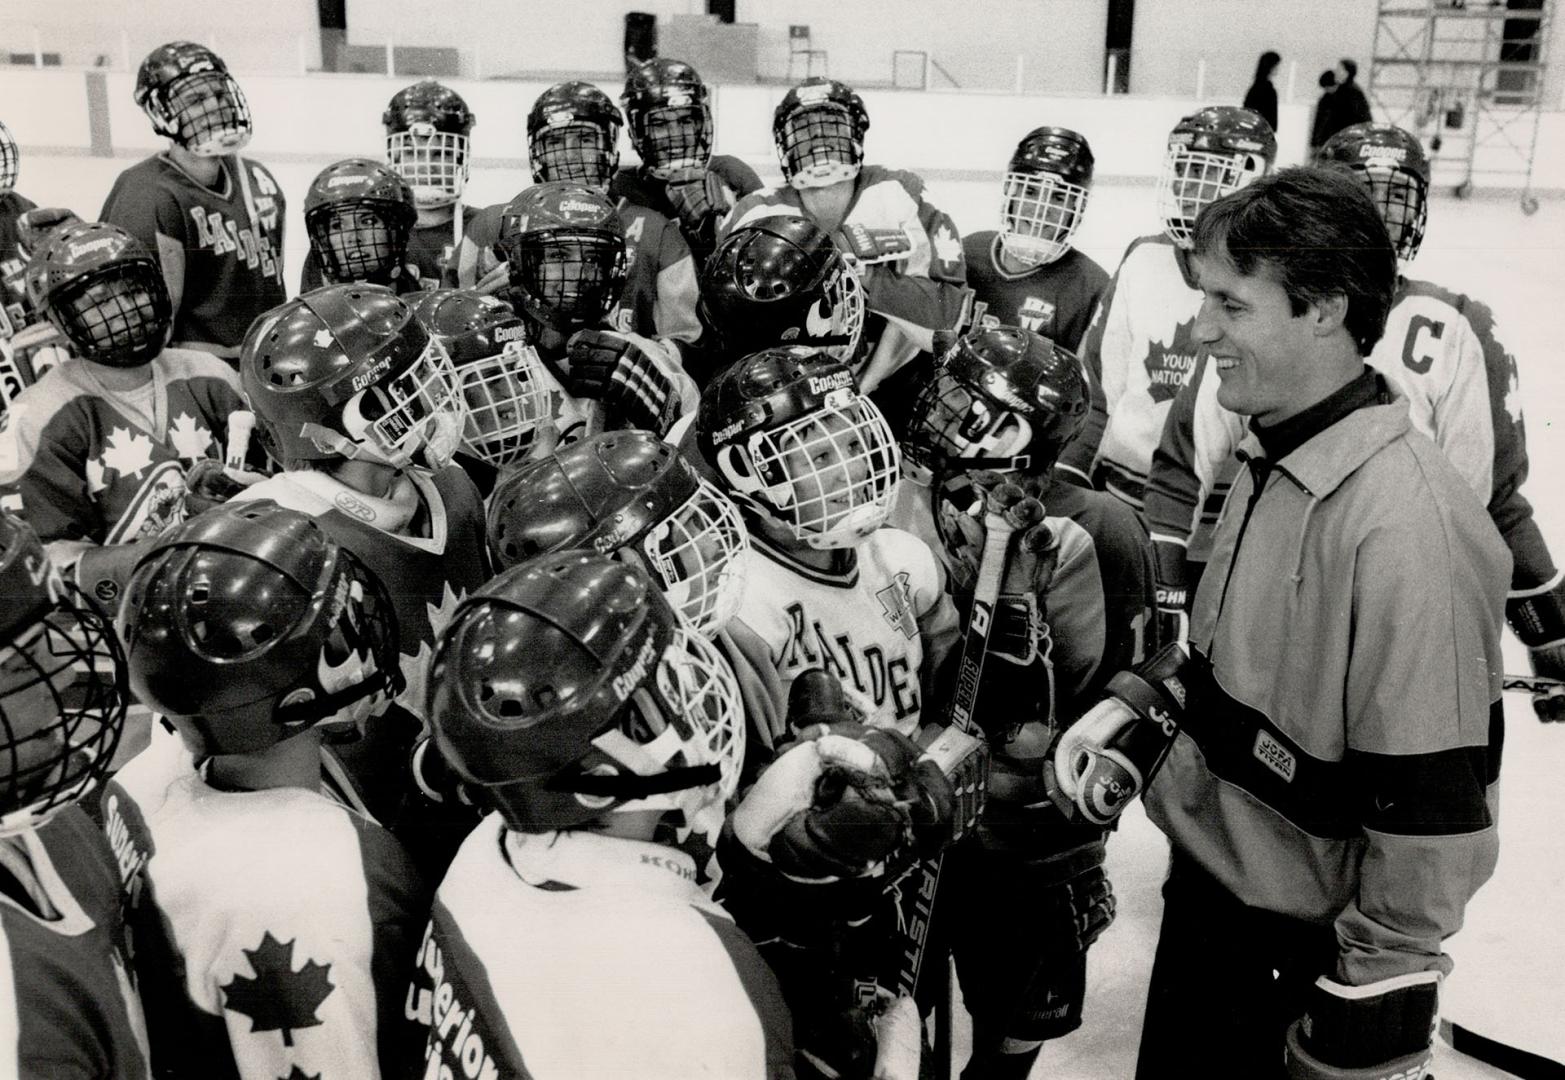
(421, 409)
(695, 718)
(434, 163)
(1039, 215)
(579, 151)
(1402, 197)
(507, 400)
(675, 138)
(817, 146)
(697, 556)
(828, 476)
(10, 161)
(1192, 179)
(208, 114)
(845, 295)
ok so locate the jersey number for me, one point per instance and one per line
(1420, 359)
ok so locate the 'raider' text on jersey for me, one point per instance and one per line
(224, 236)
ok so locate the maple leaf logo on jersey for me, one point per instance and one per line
(127, 452)
(297, 1073)
(191, 440)
(95, 476)
(278, 998)
(1170, 363)
(948, 247)
(896, 601)
(415, 669)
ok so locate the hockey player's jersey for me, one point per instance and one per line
(727, 181)
(233, 262)
(906, 300)
(270, 929)
(659, 299)
(68, 1009)
(1056, 300)
(1142, 346)
(13, 288)
(1441, 352)
(432, 248)
(86, 465)
(881, 624)
(572, 954)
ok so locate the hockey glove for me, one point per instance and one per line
(1110, 755)
(1382, 1031)
(102, 572)
(817, 697)
(641, 382)
(1549, 661)
(1088, 902)
(208, 484)
(1538, 617)
(692, 201)
(871, 246)
(34, 226)
(842, 803)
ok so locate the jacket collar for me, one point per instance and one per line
(1333, 453)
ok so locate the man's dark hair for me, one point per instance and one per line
(1319, 233)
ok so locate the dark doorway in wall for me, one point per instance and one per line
(641, 37)
(1116, 45)
(333, 17)
(722, 10)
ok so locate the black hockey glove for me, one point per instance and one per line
(640, 381)
(1549, 662)
(208, 485)
(1088, 902)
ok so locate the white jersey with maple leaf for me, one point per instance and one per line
(79, 463)
(270, 929)
(68, 1009)
(1442, 352)
(881, 623)
(572, 955)
(1142, 346)
(906, 300)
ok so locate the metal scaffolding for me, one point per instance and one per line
(1467, 77)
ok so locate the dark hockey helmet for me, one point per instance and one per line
(669, 114)
(566, 250)
(1003, 399)
(1213, 152)
(573, 134)
(819, 130)
(348, 371)
(427, 140)
(1045, 194)
(104, 291)
(568, 688)
(781, 281)
(187, 92)
(628, 492)
(793, 440)
(1391, 163)
(502, 380)
(62, 685)
(359, 215)
(10, 161)
(247, 625)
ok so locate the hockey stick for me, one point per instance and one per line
(1531, 684)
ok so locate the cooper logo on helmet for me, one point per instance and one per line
(78, 250)
(510, 333)
(575, 206)
(625, 684)
(824, 384)
(371, 376)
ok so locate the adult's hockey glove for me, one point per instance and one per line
(1549, 703)
(870, 247)
(1382, 1031)
(640, 381)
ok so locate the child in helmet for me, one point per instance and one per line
(271, 913)
(428, 142)
(72, 1005)
(359, 214)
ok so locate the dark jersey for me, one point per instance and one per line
(13, 294)
(233, 261)
(68, 1010)
(432, 248)
(727, 181)
(1057, 300)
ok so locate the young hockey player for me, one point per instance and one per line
(813, 467)
(212, 219)
(96, 454)
(13, 260)
(358, 214)
(271, 916)
(1442, 353)
(70, 1006)
(781, 281)
(360, 406)
(1027, 274)
(908, 251)
(565, 254)
(594, 720)
(1139, 345)
(668, 114)
(1025, 896)
(428, 128)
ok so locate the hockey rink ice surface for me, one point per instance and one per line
(1509, 981)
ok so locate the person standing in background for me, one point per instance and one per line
(1348, 106)
(1322, 116)
(1262, 95)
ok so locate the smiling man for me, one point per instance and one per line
(1330, 799)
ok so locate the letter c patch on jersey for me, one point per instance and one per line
(1416, 359)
